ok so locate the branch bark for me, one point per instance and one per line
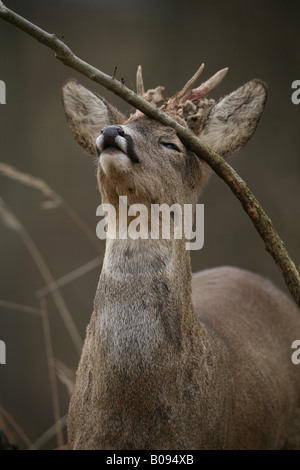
(263, 224)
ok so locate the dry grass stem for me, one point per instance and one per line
(55, 200)
(10, 220)
(20, 307)
(66, 375)
(51, 371)
(47, 435)
(31, 181)
(71, 276)
(17, 428)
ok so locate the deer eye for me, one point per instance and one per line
(171, 146)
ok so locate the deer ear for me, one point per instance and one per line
(233, 120)
(87, 114)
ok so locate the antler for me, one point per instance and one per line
(196, 94)
(190, 99)
(181, 96)
(140, 82)
(153, 96)
(205, 88)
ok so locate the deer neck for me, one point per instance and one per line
(143, 301)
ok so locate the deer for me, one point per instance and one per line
(172, 359)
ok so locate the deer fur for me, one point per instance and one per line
(171, 360)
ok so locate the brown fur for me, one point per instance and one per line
(172, 361)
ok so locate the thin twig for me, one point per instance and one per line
(114, 73)
(51, 371)
(261, 221)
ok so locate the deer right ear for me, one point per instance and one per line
(233, 120)
(87, 114)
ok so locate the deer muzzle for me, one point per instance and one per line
(114, 137)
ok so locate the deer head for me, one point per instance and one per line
(144, 159)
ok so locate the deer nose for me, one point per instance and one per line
(111, 136)
(111, 132)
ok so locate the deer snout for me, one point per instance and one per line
(115, 150)
(114, 138)
(111, 132)
(111, 136)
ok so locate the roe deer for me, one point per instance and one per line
(171, 360)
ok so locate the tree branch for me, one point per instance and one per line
(261, 221)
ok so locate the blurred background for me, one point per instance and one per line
(48, 219)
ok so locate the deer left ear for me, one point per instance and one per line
(233, 120)
(87, 113)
